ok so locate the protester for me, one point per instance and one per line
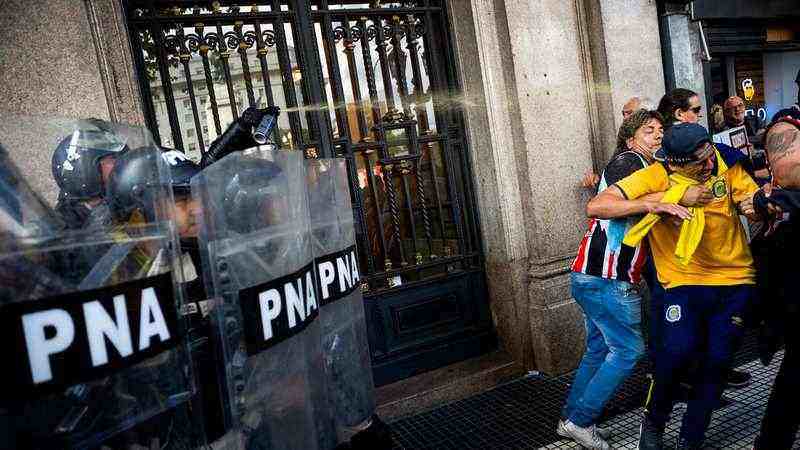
(704, 265)
(683, 106)
(734, 113)
(604, 283)
(777, 278)
(680, 105)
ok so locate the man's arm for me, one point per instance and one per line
(612, 204)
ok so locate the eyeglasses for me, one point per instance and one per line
(696, 109)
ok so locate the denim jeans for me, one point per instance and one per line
(613, 316)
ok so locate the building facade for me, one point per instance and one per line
(468, 129)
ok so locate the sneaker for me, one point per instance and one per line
(603, 432)
(585, 436)
(651, 437)
(737, 379)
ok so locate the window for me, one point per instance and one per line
(187, 118)
(187, 103)
(193, 147)
(190, 132)
(205, 131)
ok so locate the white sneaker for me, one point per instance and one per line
(604, 433)
(586, 437)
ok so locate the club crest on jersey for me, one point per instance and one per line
(719, 188)
(673, 313)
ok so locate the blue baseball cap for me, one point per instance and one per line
(680, 143)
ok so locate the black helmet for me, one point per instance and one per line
(248, 192)
(134, 182)
(182, 169)
(75, 161)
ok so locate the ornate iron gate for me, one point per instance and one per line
(371, 81)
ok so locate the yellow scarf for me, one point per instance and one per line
(692, 229)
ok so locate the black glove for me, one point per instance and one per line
(237, 137)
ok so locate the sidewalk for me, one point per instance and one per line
(522, 414)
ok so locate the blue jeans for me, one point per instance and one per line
(614, 344)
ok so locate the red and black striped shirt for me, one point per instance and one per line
(601, 252)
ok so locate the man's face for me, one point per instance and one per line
(630, 106)
(693, 113)
(699, 170)
(783, 151)
(734, 111)
(187, 215)
(106, 165)
(648, 137)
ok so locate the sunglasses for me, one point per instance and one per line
(696, 109)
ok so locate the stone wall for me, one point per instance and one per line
(548, 82)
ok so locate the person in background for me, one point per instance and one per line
(680, 106)
(591, 179)
(734, 113)
(633, 104)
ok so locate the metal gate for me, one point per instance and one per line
(374, 82)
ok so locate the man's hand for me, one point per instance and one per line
(747, 209)
(697, 195)
(774, 210)
(671, 209)
(590, 179)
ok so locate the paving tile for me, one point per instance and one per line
(523, 413)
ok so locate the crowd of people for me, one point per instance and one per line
(693, 234)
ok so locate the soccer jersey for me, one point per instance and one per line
(723, 255)
(601, 252)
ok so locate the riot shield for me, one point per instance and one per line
(257, 264)
(89, 314)
(344, 342)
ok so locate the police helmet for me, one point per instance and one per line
(134, 182)
(250, 192)
(182, 169)
(76, 159)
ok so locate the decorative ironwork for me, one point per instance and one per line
(385, 102)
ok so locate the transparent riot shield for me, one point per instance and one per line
(257, 263)
(89, 313)
(344, 342)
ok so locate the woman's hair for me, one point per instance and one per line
(629, 126)
(672, 100)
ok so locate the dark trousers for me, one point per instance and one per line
(695, 323)
(782, 417)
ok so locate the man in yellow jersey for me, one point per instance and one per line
(705, 266)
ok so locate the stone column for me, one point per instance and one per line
(542, 80)
(530, 143)
(626, 59)
(115, 60)
(684, 55)
(482, 58)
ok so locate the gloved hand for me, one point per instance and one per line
(252, 116)
(238, 136)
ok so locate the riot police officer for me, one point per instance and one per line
(95, 340)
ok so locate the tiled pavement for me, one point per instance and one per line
(522, 414)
